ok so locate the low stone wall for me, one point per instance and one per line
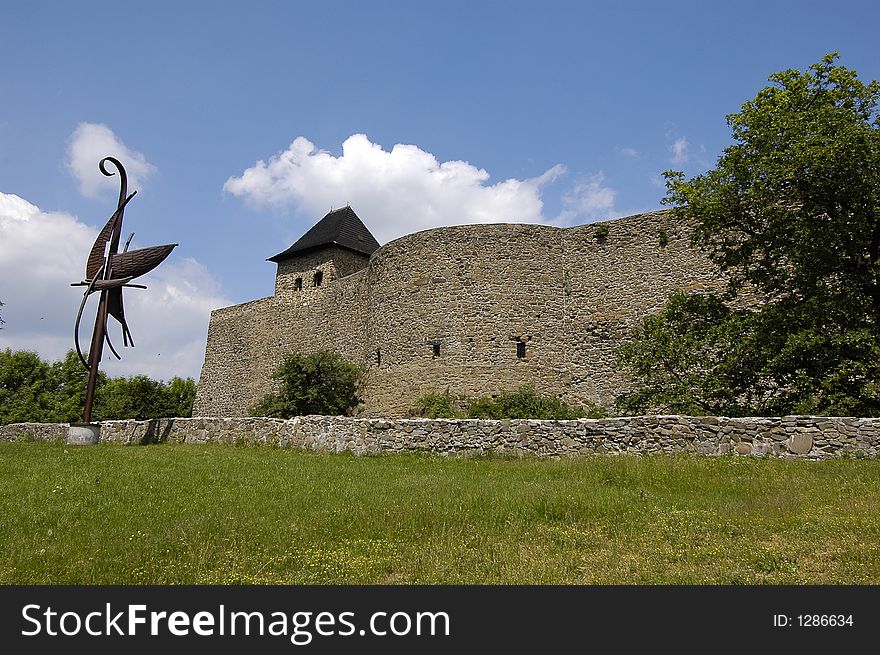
(807, 437)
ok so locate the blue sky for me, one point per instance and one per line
(417, 114)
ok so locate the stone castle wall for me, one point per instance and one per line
(246, 343)
(804, 437)
(474, 292)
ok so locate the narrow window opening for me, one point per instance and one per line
(298, 284)
(436, 345)
(378, 357)
(521, 349)
(319, 277)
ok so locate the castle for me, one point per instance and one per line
(475, 309)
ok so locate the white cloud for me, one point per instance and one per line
(88, 145)
(632, 153)
(397, 192)
(679, 151)
(42, 253)
(590, 196)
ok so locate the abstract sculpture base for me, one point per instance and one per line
(83, 434)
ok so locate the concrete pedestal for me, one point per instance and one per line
(83, 434)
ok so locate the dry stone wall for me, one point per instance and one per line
(806, 437)
(474, 309)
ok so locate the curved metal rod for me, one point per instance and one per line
(123, 186)
(109, 343)
(82, 306)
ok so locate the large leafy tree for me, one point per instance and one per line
(25, 387)
(793, 207)
(791, 213)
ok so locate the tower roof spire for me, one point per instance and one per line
(340, 227)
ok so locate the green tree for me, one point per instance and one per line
(33, 390)
(793, 207)
(317, 383)
(699, 357)
(180, 394)
(25, 387)
(142, 398)
(791, 213)
(68, 388)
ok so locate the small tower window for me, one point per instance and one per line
(521, 349)
(298, 284)
(378, 357)
(436, 346)
(319, 277)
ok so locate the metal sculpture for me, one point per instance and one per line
(108, 271)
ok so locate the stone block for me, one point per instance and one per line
(800, 443)
(743, 448)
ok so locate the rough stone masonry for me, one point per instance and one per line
(475, 309)
(800, 437)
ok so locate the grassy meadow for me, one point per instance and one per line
(187, 514)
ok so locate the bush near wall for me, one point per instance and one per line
(523, 402)
(322, 382)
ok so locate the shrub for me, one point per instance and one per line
(319, 383)
(142, 398)
(438, 405)
(524, 402)
(664, 237)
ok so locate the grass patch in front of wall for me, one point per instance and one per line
(188, 514)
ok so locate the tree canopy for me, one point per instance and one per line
(791, 215)
(33, 390)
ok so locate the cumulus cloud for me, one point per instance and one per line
(590, 196)
(679, 151)
(42, 253)
(632, 153)
(88, 145)
(402, 190)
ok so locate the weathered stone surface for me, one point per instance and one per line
(88, 434)
(476, 291)
(800, 443)
(471, 437)
(743, 448)
(33, 432)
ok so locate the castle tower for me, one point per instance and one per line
(336, 246)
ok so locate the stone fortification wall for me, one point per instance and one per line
(246, 343)
(474, 309)
(478, 290)
(805, 437)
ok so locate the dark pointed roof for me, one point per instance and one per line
(341, 227)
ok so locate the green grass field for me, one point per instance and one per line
(177, 514)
